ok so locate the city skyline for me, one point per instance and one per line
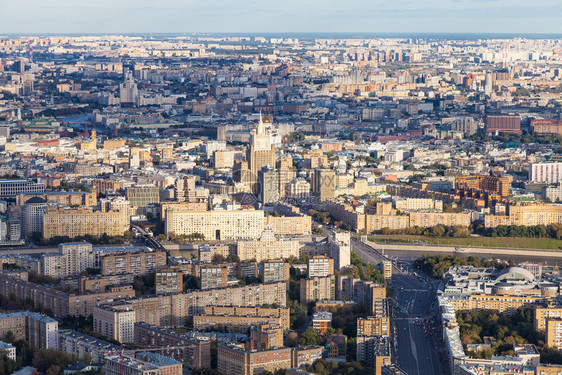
(402, 16)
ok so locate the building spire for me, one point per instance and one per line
(261, 129)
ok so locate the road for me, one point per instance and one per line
(413, 307)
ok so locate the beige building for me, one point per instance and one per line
(298, 225)
(417, 204)
(79, 222)
(538, 214)
(60, 303)
(114, 323)
(553, 333)
(499, 303)
(168, 281)
(138, 262)
(542, 314)
(240, 318)
(267, 247)
(174, 309)
(373, 325)
(317, 289)
(216, 225)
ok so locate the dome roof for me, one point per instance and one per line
(35, 200)
(515, 273)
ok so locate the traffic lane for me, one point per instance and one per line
(405, 356)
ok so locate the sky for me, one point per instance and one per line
(284, 16)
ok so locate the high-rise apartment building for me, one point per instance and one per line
(320, 266)
(213, 276)
(324, 184)
(32, 216)
(317, 289)
(168, 281)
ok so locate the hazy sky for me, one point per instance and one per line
(122, 16)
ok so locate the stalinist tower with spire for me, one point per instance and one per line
(260, 153)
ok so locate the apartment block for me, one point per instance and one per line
(295, 225)
(542, 314)
(115, 323)
(274, 271)
(213, 276)
(320, 266)
(553, 333)
(317, 288)
(80, 345)
(374, 351)
(361, 291)
(216, 225)
(265, 336)
(240, 318)
(37, 329)
(174, 309)
(137, 263)
(169, 280)
(79, 222)
(191, 351)
(143, 363)
(60, 303)
(267, 247)
(235, 360)
(72, 259)
(503, 304)
(373, 326)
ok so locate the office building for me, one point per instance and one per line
(321, 321)
(12, 188)
(324, 184)
(32, 216)
(268, 180)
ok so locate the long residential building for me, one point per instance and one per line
(80, 345)
(216, 225)
(241, 317)
(60, 303)
(79, 222)
(536, 214)
(191, 351)
(267, 247)
(174, 309)
(37, 329)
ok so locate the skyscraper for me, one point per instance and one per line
(260, 153)
(128, 91)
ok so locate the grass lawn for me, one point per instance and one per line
(508, 242)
